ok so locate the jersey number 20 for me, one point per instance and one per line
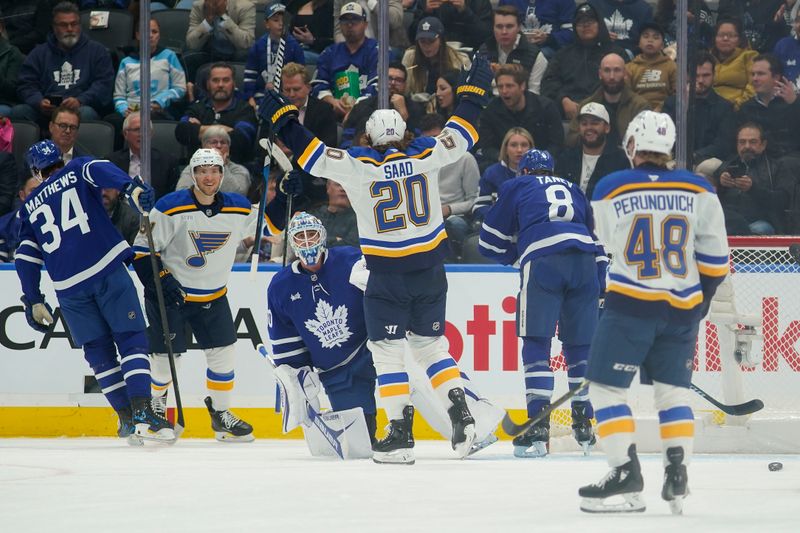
(400, 201)
(70, 203)
(643, 250)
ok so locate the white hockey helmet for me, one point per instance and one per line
(307, 236)
(207, 156)
(385, 126)
(650, 132)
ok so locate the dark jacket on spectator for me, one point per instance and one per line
(757, 16)
(356, 120)
(341, 226)
(320, 22)
(780, 121)
(321, 120)
(624, 18)
(10, 61)
(556, 13)
(84, 71)
(471, 27)
(125, 219)
(569, 165)
(28, 22)
(163, 168)
(524, 54)
(540, 117)
(8, 182)
(714, 126)
(238, 115)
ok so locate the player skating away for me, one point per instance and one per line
(545, 223)
(64, 226)
(393, 187)
(196, 233)
(665, 232)
(319, 333)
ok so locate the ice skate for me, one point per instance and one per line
(480, 445)
(398, 446)
(675, 487)
(582, 426)
(624, 481)
(227, 426)
(160, 405)
(535, 442)
(463, 423)
(126, 429)
(150, 425)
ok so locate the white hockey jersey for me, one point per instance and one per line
(665, 232)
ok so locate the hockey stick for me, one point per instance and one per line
(741, 409)
(514, 429)
(268, 159)
(162, 310)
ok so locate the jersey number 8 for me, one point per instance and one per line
(642, 248)
(394, 195)
(70, 203)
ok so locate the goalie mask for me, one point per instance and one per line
(204, 157)
(649, 132)
(307, 236)
(385, 126)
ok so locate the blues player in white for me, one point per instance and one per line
(64, 226)
(316, 321)
(545, 224)
(196, 233)
(665, 232)
(393, 186)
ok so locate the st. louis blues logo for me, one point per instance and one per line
(205, 242)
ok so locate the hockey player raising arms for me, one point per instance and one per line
(196, 232)
(545, 223)
(665, 232)
(393, 186)
(64, 226)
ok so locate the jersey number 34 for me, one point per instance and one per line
(70, 203)
(649, 251)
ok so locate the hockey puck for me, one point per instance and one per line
(774, 467)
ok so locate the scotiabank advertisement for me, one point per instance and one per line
(47, 370)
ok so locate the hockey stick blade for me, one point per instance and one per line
(794, 251)
(746, 408)
(513, 429)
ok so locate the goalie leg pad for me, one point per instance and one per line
(102, 358)
(676, 419)
(220, 375)
(615, 425)
(431, 353)
(393, 388)
(298, 388)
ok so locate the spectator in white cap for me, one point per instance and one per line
(348, 71)
(398, 39)
(594, 157)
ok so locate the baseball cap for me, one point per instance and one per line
(595, 110)
(273, 8)
(353, 10)
(429, 28)
(586, 11)
(651, 26)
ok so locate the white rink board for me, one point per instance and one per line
(36, 370)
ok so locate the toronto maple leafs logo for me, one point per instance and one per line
(67, 76)
(619, 25)
(426, 26)
(205, 242)
(329, 325)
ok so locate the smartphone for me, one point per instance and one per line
(55, 99)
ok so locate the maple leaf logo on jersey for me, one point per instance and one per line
(205, 242)
(619, 25)
(330, 326)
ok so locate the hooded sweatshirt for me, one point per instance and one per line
(732, 77)
(624, 18)
(653, 79)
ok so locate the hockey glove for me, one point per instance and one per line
(476, 83)
(277, 110)
(174, 295)
(292, 183)
(39, 315)
(141, 196)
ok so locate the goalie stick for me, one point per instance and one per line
(741, 409)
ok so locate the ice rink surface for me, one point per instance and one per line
(102, 485)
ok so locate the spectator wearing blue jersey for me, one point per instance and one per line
(348, 71)
(788, 52)
(64, 227)
(260, 69)
(69, 69)
(624, 19)
(546, 23)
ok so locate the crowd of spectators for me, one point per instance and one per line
(568, 78)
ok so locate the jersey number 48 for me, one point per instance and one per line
(649, 251)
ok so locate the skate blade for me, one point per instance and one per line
(134, 440)
(403, 456)
(586, 447)
(463, 448)
(535, 450)
(164, 435)
(676, 505)
(632, 503)
(222, 436)
(485, 443)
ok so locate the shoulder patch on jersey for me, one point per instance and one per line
(176, 202)
(232, 202)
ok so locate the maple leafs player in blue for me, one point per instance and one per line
(545, 224)
(196, 233)
(393, 187)
(64, 226)
(666, 233)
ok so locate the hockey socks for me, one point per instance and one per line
(538, 375)
(102, 358)
(135, 364)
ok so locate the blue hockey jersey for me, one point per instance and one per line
(261, 63)
(536, 216)
(64, 226)
(337, 58)
(317, 319)
(493, 177)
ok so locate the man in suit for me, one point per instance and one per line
(315, 114)
(163, 166)
(64, 125)
(594, 157)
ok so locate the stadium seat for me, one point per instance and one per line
(25, 134)
(118, 34)
(174, 24)
(164, 139)
(260, 26)
(96, 137)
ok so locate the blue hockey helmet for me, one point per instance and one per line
(42, 155)
(307, 236)
(534, 160)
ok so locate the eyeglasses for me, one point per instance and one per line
(393, 79)
(69, 128)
